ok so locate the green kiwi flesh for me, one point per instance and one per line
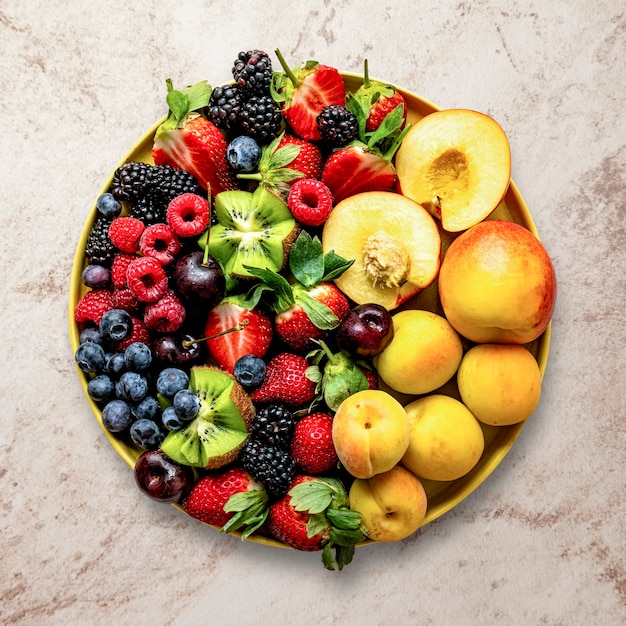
(217, 434)
(254, 228)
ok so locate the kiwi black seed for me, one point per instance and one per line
(253, 229)
(221, 428)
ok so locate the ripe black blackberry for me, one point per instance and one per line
(167, 182)
(269, 465)
(261, 118)
(99, 248)
(225, 106)
(274, 425)
(337, 125)
(131, 181)
(252, 71)
(150, 210)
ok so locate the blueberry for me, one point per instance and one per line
(115, 364)
(146, 434)
(101, 388)
(138, 357)
(116, 416)
(249, 371)
(90, 357)
(96, 276)
(108, 205)
(243, 154)
(186, 404)
(132, 386)
(91, 333)
(148, 408)
(170, 419)
(171, 380)
(115, 325)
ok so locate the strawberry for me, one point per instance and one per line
(286, 381)
(304, 92)
(253, 333)
(188, 141)
(312, 445)
(310, 307)
(230, 499)
(315, 515)
(284, 161)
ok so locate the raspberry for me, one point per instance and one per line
(124, 298)
(165, 315)
(139, 332)
(188, 215)
(160, 242)
(119, 267)
(125, 233)
(93, 305)
(146, 279)
(310, 201)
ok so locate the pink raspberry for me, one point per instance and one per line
(139, 332)
(310, 201)
(188, 215)
(146, 279)
(125, 233)
(124, 298)
(165, 315)
(160, 242)
(119, 267)
(93, 305)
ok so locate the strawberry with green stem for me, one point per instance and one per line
(310, 306)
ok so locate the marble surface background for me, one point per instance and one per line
(540, 542)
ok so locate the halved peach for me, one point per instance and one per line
(457, 164)
(394, 242)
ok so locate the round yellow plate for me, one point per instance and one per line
(498, 440)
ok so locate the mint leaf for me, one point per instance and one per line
(178, 104)
(334, 266)
(198, 95)
(282, 290)
(306, 259)
(390, 125)
(320, 315)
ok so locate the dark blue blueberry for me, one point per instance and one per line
(146, 434)
(115, 325)
(90, 357)
(116, 364)
(108, 205)
(91, 333)
(171, 380)
(148, 408)
(138, 357)
(186, 404)
(132, 386)
(249, 371)
(116, 416)
(101, 388)
(243, 154)
(170, 419)
(96, 276)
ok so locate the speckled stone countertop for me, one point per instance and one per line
(540, 542)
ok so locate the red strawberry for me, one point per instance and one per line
(93, 305)
(310, 201)
(312, 305)
(290, 526)
(284, 161)
(312, 445)
(305, 92)
(253, 337)
(355, 169)
(233, 489)
(188, 141)
(286, 381)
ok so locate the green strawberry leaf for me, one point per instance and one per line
(313, 496)
(320, 315)
(328, 558)
(283, 293)
(390, 125)
(198, 95)
(346, 538)
(306, 259)
(344, 555)
(334, 266)
(317, 523)
(341, 378)
(344, 519)
(251, 510)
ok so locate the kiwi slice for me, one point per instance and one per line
(217, 434)
(253, 228)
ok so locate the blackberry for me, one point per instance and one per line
(252, 71)
(271, 466)
(99, 248)
(337, 125)
(274, 425)
(261, 118)
(225, 107)
(167, 182)
(149, 210)
(131, 181)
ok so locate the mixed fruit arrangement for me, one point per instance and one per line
(244, 320)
